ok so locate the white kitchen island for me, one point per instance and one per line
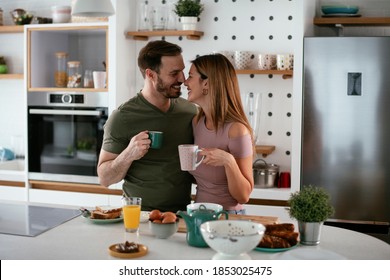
(80, 239)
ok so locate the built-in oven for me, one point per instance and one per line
(65, 132)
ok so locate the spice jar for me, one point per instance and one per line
(74, 74)
(60, 75)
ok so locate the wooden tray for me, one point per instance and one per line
(265, 220)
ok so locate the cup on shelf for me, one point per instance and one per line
(285, 62)
(284, 180)
(61, 14)
(228, 54)
(266, 61)
(243, 59)
(159, 18)
(99, 79)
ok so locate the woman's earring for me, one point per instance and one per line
(205, 91)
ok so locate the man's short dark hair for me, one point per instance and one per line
(150, 55)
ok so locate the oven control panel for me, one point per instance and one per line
(66, 98)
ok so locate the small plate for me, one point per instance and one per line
(143, 250)
(104, 221)
(274, 250)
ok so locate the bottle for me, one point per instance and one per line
(74, 74)
(60, 75)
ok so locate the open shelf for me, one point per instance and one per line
(144, 35)
(55, 89)
(11, 29)
(11, 76)
(378, 21)
(287, 74)
(264, 150)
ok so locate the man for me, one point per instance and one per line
(152, 174)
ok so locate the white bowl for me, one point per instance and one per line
(209, 206)
(232, 239)
(163, 231)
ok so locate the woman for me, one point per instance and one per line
(222, 131)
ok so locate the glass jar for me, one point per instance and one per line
(1, 16)
(88, 80)
(74, 74)
(60, 75)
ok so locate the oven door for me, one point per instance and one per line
(64, 143)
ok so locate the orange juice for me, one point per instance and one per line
(131, 216)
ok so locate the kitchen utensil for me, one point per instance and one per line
(232, 239)
(265, 174)
(193, 221)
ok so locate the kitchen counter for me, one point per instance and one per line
(79, 238)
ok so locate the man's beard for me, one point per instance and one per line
(167, 91)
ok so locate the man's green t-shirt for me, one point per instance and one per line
(156, 177)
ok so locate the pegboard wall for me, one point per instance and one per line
(260, 26)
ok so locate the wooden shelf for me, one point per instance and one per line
(144, 35)
(376, 21)
(55, 89)
(264, 150)
(11, 76)
(11, 29)
(287, 74)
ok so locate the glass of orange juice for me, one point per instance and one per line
(131, 210)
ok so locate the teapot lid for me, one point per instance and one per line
(203, 209)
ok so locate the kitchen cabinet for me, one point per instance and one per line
(82, 42)
(11, 29)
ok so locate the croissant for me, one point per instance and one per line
(279, 236)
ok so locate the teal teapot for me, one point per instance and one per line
(193, 221)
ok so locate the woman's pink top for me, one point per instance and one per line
(212, 185)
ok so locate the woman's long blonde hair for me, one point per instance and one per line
(226, 105)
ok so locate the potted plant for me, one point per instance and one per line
(188, 11)
(310, 206)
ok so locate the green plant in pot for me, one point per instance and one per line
(310, 206)
(188, 11)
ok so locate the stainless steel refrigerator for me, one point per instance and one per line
(346, 126)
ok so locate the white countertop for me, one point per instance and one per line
(80, 239)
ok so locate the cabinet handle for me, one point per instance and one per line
(64, 112)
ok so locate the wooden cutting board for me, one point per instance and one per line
(265, 220)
